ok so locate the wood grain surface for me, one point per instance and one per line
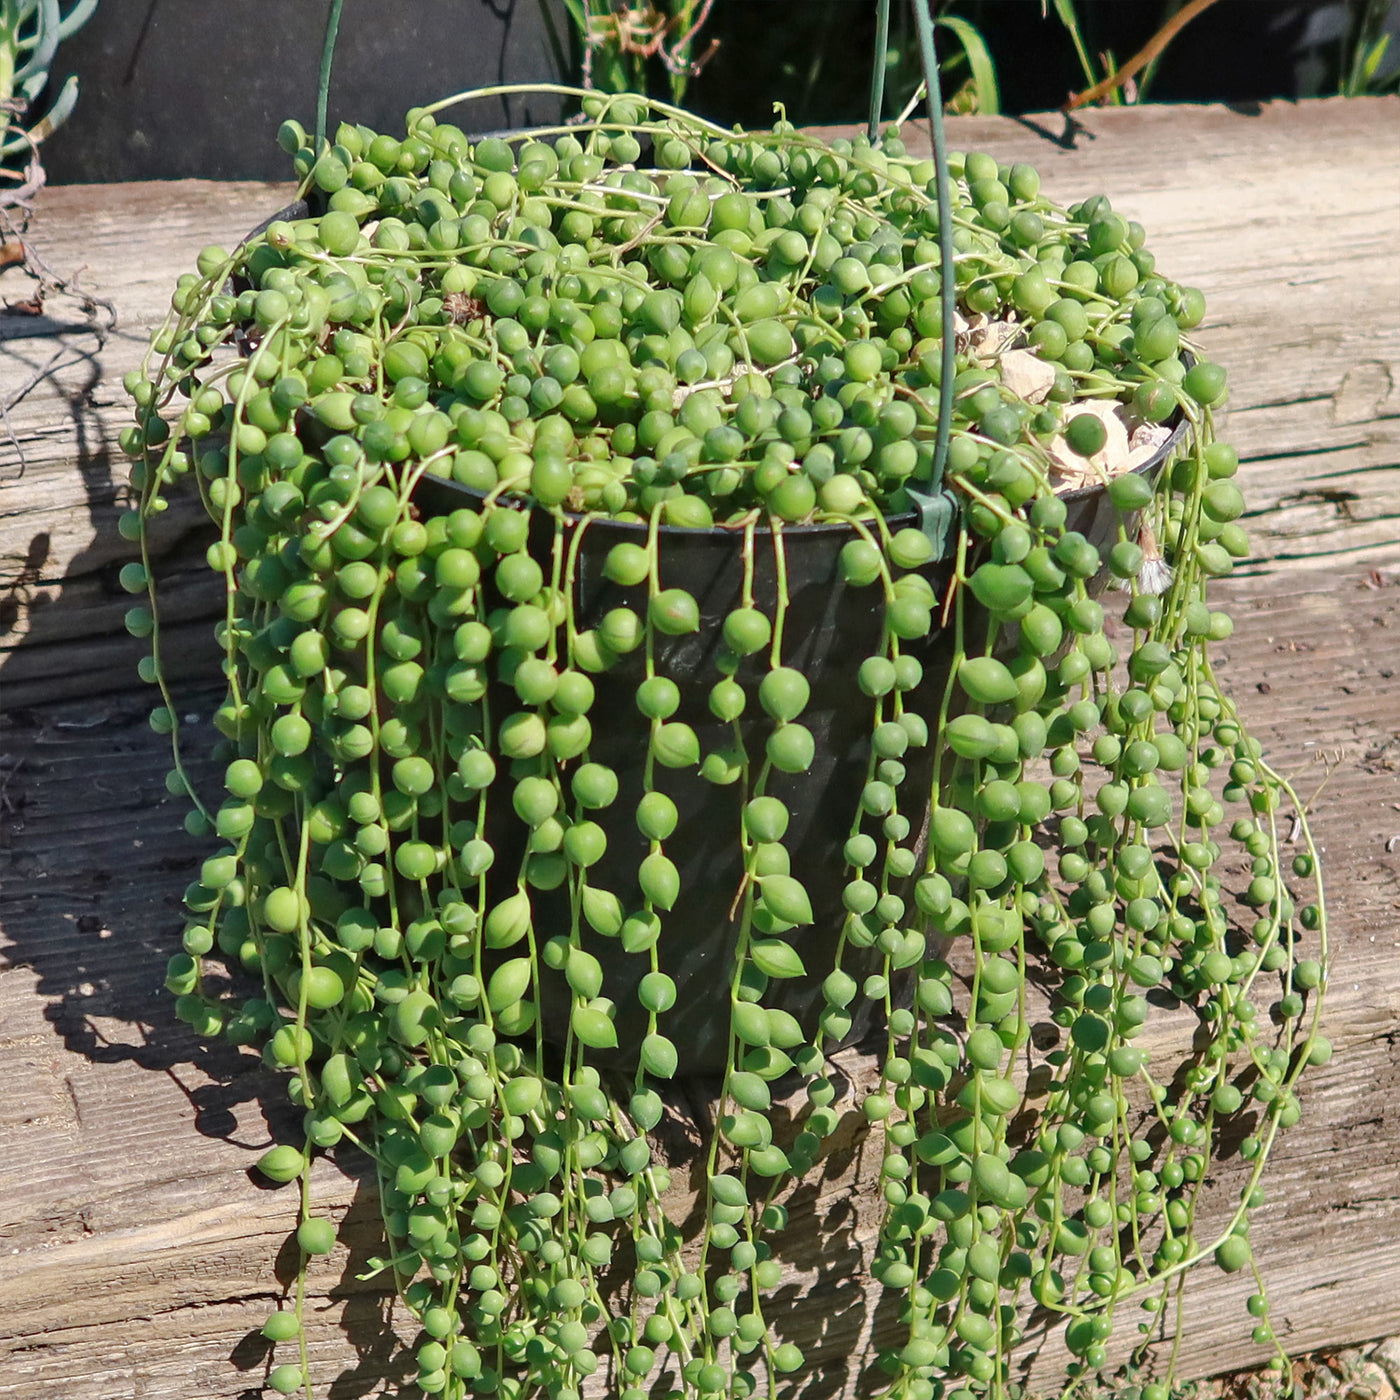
(138, 1257)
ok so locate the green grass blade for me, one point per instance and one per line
(1373, 59)
(878, 67)
(1069, 17)
(1363, 75)
(979, 60)
(1365, 34)
(1373, 63)
(323, 77)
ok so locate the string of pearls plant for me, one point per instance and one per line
(645, 324)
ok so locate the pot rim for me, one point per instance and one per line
(904, 519)
(301, 209)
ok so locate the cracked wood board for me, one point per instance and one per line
(138, 1258)
(1288, 216)
(62, 475)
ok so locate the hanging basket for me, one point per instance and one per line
(828, 630)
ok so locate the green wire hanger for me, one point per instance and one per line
(937, 507)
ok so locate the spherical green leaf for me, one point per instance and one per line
(785, 897)
(987, 680)
(839, 988)
(509, 983)
(660, 880)
(772, 1161)
(594, 1028)
(775, 957)
(414, 1017)
(603, 910)
(1232, 1254)
(281, 1327)
(337, 1079)
(316, 1235)
(750, 1023)
(749, 1091)
(657, 992)
(584, 972)
(281, 1163)
(784, 1029)
(507, 922)
(521, 1095)
(674, 612)
(970, 736)
(1002, 588)
(640, 932)
(952, 831)
(991, 1175)
(676, 745)
(658, 1056)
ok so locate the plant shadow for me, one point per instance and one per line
(93, 858)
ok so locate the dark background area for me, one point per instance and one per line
(812, 54)
(178, 88)
(171, 89)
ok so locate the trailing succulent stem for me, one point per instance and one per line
(453, 428)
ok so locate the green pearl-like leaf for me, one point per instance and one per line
(786, 898)
(593, 1027)
(521, 1095)
(602, 909)
(987, 680)
(658, 1056)
(775, 957)
(508, 921)
(970, 736)
(281, 1163)
(750, 1023)
(660, 880)
(749, 1091)
(415, 1016)
(509, 982)
(675, 745)
(584, 972)
(674, 612)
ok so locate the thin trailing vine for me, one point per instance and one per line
(454, 429)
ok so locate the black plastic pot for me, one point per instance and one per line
(829, 630)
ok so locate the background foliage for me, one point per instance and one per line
(798, 52)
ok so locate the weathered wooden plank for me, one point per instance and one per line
(1288, 216)
(137, 1255)
(102, 655)
(62, 477)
